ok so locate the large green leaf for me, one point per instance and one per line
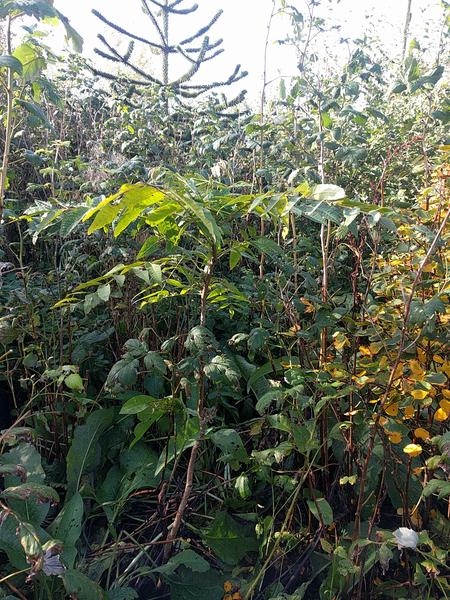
(11, 62)
(83, 453)
(67, 527)
(81, 587)
(187, 558)
(31, 59)
(190, 585)
(230, 540)
(325, 192)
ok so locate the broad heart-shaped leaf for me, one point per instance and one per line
(31, 60)
(187, 558)
(189, 585)
(83, 453)
(222, 368)
(81, 587)
(11, 62)
(67, 527)
(230, 540)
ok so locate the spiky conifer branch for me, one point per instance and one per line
(195, 56)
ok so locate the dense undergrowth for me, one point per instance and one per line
(224, 337)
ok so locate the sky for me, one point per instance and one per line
(243, 26)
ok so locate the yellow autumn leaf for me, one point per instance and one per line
(392, 409)
(417, 373)
(419, 394)
(445, 405)
(383, 363)
(421, 433)
(365, 351)
(438, 359)
(228, 586)
(340, 341)
(446, 394)
(395, 437)
(309, 305)
(412, 450)
(440, 415)
(409, 411)
(375, 347)
(446, 368)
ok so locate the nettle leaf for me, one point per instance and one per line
(200, 339)
(257, 339)
(74, 382)
(187, 558)
(122, 593)
(229, 441)
(222, 368)
(124, 372)
(153, 361)
(230, 540)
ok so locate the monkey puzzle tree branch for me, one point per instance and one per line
(195, 66)
(127, 33)
(210, 46)
(149, 13)
(171, 9)
(203, 30)
(126, 62)
(235, 76)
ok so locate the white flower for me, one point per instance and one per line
(406, 538)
